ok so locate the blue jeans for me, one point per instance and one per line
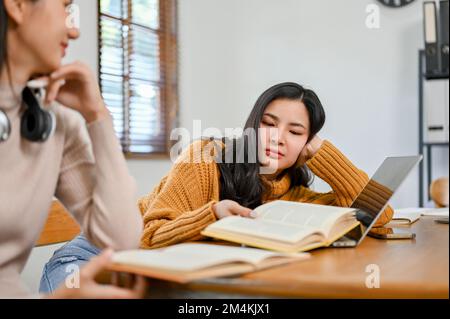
(76, 252)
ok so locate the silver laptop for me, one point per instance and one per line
(374, 197)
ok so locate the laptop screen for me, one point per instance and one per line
(375, 196)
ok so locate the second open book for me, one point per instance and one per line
(287, 226)
(192, 261)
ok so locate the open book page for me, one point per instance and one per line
(436, 212)
(318, 217)
(262, 228)
(191, 257)
(407, 215)
(300, 214)
(286, 221)
(414, 213)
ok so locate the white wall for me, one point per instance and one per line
(147, 173)
(232, 50)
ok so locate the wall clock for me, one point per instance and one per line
(395, 3)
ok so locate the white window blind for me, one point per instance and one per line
(138, 71)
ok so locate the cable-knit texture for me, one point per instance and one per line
(180, 207)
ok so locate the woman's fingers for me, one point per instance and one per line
(112, 292)
(314, 145)
(93, 290)
(140, 287)
(304, 155)
(115, 279)
(237, 209)
(53, 90)
(97, 264)
(301, 159)
(96, 290)
(226, 208)
(39, 82)
(69, 71)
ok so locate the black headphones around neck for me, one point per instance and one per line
(36, 125)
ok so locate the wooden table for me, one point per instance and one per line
(416, 268)
(59, 227)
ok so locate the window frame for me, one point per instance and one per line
(168, 46)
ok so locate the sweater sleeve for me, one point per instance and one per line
(346, 180)
(181, 207)
(95, 186)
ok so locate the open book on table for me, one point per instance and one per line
(287, 226)
(191, 261)
(408, 216)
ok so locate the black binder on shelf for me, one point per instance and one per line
(443, 17)
(431, 37)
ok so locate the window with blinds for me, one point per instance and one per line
(138, 71)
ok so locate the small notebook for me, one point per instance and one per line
(436, 212)
(406, 216)
(409, 216)
(191, 261)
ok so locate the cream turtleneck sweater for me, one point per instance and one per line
(82, 165)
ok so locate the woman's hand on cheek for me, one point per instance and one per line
(74, 85)
(309, 150)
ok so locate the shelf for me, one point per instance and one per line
(426, 148)
(436, 77)
(435, 144)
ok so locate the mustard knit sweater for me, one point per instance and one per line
(180, 207)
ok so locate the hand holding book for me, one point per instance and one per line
(286, 226)
(227, 208)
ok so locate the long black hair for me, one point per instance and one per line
(242, 182)
(3, 29)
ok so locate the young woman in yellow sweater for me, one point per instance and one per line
(198, 190)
